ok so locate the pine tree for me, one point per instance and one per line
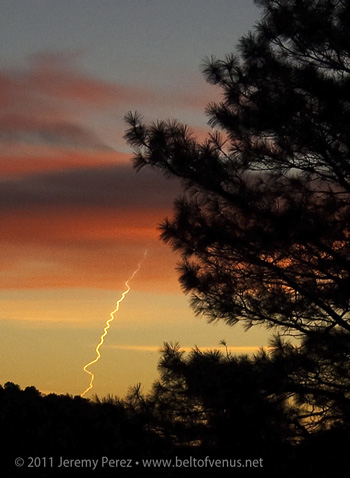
(264, 223)
(264, 226)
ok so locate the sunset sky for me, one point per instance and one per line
(75, 217)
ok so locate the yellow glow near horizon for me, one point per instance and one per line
(105, 331)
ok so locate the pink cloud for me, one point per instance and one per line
(58, 76)
(52, 101)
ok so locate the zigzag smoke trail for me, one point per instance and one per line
(105, 331)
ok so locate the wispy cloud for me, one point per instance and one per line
(24, 129)
(47, 101)
(250, 349)
(57, 75)
(18, 160)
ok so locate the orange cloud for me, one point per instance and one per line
(24, 160)
(66, 227)
(71, 228)
(88, 265)
(70, 206)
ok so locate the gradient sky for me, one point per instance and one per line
(75, 217)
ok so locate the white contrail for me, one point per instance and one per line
(105, 331)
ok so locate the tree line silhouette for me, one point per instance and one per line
(205, 404)
(263, 229)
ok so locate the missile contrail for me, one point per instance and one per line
(105, 331)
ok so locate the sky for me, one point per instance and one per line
(75, 217)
